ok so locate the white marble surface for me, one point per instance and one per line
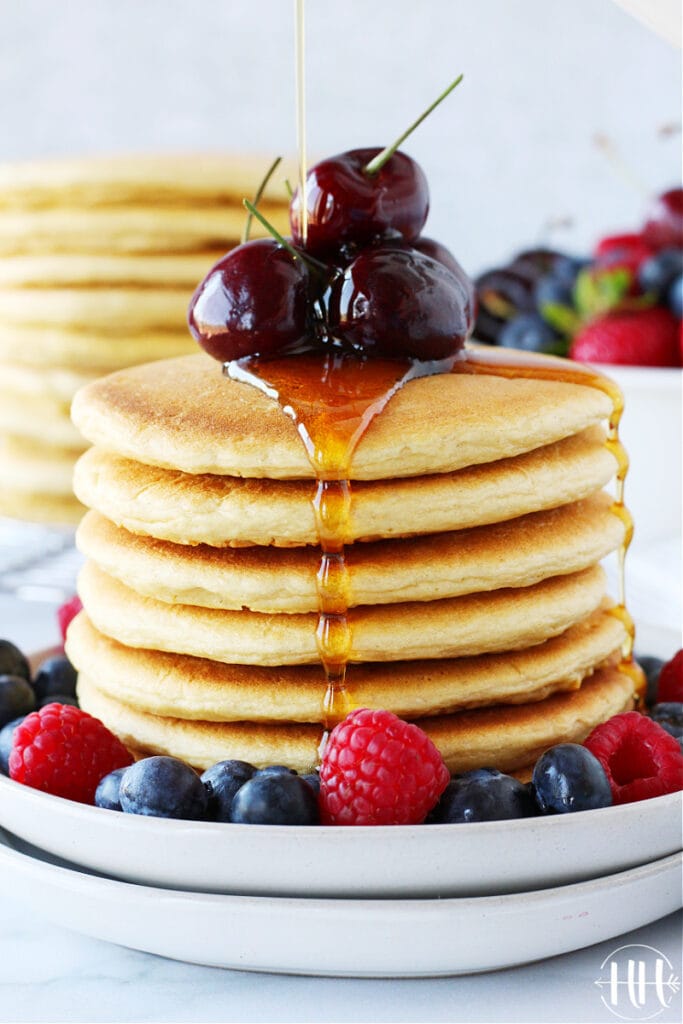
(48, 974)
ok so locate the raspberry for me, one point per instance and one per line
(66, 612)
(379, 770)
(627, 251)
(640, 758)
(64, 751)
(670, 686)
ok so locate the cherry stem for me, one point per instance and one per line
(315, 265)
(378, 162)
(290, 190)
(257, 198)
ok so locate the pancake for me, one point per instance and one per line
(181, 686)
(37, 418)
(131, 179)
(48, 271)
(54, 382)
(504, 737)
(506, 619)
(85, 350)
(223, 511)
(34, 507)
(134, 229)
(184, 415)
(33, 466)
(96, 309)
(517, 553)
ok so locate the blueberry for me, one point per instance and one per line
(222, 781)
(569, 778)
(674, 297)
(531, 333)
(56, 675)
(657, 274)
(313, 780)
(651, 666)
(484, 794)
(16, 698)
(59, 698)
(275, 800)
(670, 716)
(13, 662)
(568, 268)
(6, 740)
(276, 769)
(108, 792)
(551, 290)
(163, 787)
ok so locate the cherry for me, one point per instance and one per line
(441, 254)
(347, 204)
(664, 225)
(254, 301)
(397, 301)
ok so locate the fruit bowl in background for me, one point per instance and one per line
(652, 434)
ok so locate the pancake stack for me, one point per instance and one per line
(477, 604)
(98, 258)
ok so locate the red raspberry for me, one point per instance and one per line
(670, 685)
(64, 751)
(644, 337)
(379, 770)
(66, 612)
(625, 251)
(639, 757)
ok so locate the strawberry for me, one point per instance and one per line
(642, 337)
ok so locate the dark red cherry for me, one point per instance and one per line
(441, 254)
(396, 301)
(346, 205)
(664, 226)
(254, 301)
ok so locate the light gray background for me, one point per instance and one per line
(512, 151)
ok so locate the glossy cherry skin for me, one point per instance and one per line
(664, 226)
(399, 302)
(346, 205)
(441, 254)
(254, 301)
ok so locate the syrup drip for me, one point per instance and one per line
(332, 398)
(506, 363)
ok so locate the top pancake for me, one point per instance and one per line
(134, 178)
(184, 414)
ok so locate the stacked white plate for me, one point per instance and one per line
(402, 901)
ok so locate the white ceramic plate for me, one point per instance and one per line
(373, 938)
(426, 860)
(481, 859)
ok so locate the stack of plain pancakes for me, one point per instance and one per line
(98, 259)
(477, 602)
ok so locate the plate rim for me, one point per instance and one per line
(132, 821)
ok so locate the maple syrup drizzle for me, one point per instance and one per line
(513, 364)
(300, 63)
(332, 399)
